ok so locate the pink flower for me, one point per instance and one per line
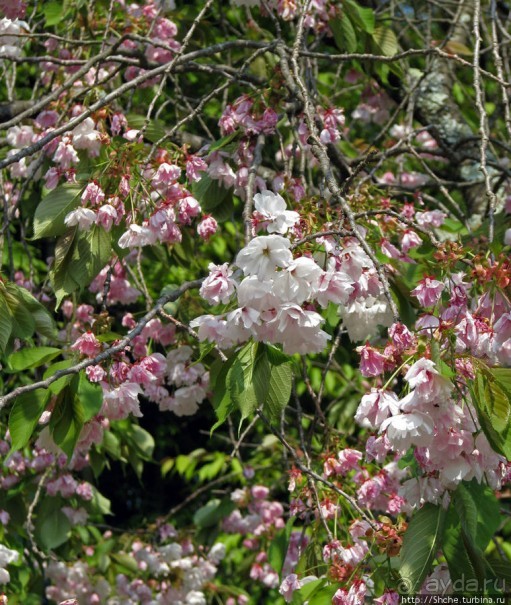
(401, 337)
(47, 119)
(355, 595)
(118, 123)
(268, 122)
(207, 227)
(107, 216)
(260, 492)
(188, 208)
(95, 373)
(372, 362)
(84, 490)
(428, 291)
(20, 136)
(263, 254)
(93, 193)
(87, 345)
(348, 460)
(288, 586)
(167, 174)
(428, 383)
(65, 155)
(218, 287)
(410, 240)
(52, 178)
(431, 218)
(405, 430)
(65, 485)
(122, 401)
(194, 166)
(389, 597)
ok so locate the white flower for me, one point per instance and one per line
(299, 281)
(305, 341)
(7, 556)
(137, 236)
(217, 553)
(263, 255)
(362, 318)
(292, 317)
(272, 210)
(83, 217)
(10, 38)
(257, 294)
(86, 137)
(405, 430)
(195, 598)
(455, 471)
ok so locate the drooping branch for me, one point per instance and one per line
(107, 353)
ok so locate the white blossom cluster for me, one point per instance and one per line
(279, 295)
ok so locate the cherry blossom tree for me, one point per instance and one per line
(255, 304)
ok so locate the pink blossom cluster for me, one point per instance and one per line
(261, 519)
(170, 207)
(119, 288)
(18, 468)
(433, 417)
(319, 12)
(62, 150)
(162, 33)
(168, 574)
(242, 114)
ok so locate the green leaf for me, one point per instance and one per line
(344, 34)
(44, 322)
(23, 324)
(53, 209)
(279, 390)
(53, 12)
(6, 323)
(304, 593)
(91, 397)
(323, 596)
(99, 503)
(213, 512)
(155, 129)
(213, 197)
(142, 440)
(478, 510)
(223, 142)
(52, 529)
(492, 400)
(126, 561)
(453, 547)
(24, 416)
(221, 399)
(58, 385)
(79, 257)
(385, 41)
(67, 420)
(243, 389)
(31, 357)
(279, 545)
(361, 16)
(420, 544)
